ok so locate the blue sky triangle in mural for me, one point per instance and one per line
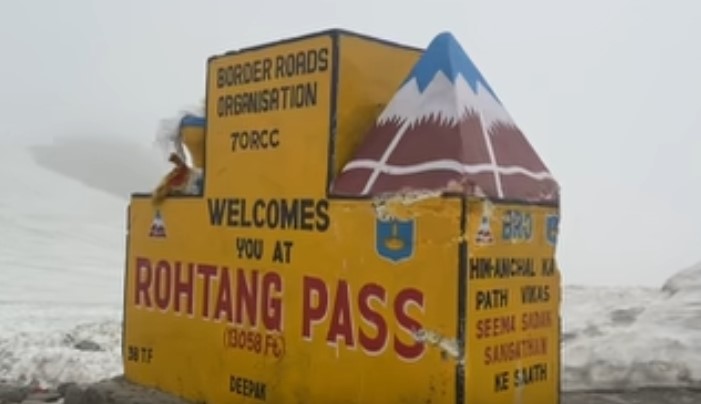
(445, 54)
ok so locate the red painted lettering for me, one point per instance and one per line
(143, 283)
(163, 284)
(342, 323)
(493, 327)
(405, 298)
(313, 314)
(535, 320)
(184, 288)
(341, 317)
(207, 272)
(224, 297)
(247, 297)
(367, 293)
(272, 313)
(174, 285)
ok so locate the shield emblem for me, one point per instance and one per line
(552, 223)
(394, 239)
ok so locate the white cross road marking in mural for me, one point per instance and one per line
(447, 103)
(445, 89)
(445, 164)
(385, 156)
(492, 159)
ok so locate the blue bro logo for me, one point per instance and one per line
(552, 225)
(517, 226)
(394, 239)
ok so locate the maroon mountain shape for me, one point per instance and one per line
(445, 130)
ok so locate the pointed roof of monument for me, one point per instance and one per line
(445, 129)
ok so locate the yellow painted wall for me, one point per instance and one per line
(191, 332)
(341, 83)
(370, 72)
(180, 341)
(268, 119)
(513, 300)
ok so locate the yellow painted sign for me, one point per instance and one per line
(346, 313)
(265, 289)
(513, 299)
(295, 111)
(268, 110)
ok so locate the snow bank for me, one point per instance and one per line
(63, 223)
(626, 338)
(57, 343)
(687, 281)
(61, 271)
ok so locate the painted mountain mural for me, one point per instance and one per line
(446, 130)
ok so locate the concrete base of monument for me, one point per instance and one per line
(119, 391)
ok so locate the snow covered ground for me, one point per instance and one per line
(61, 263)
(620, 338)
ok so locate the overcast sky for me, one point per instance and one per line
(608, 91)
